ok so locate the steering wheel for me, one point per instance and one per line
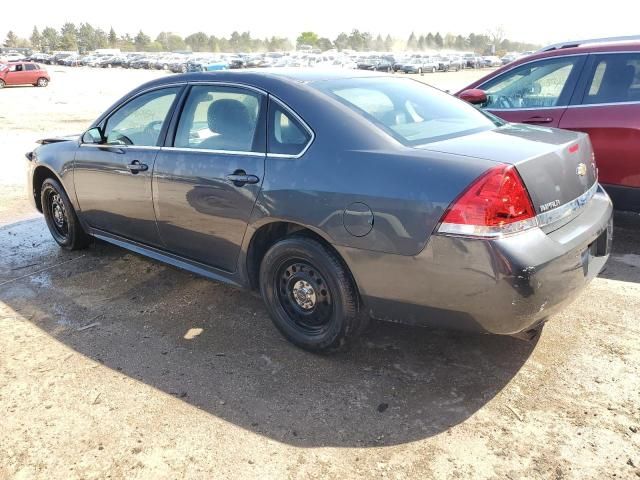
(153, 129)
(121, 140)
(502, 101)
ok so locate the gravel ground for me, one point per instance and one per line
(115, 366)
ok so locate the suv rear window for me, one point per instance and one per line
(614, 78)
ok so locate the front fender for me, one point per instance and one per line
(54, 159)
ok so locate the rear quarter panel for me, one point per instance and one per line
(407, 194)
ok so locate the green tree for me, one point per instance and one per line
(163, 39)
(357, 40)
(437, 40)
(141, 41)
(113, 38)
(378, 44)
(176, 43)
(324, 44)
(342, 41)
(86, 38)
(198, 42)
(101, 39)
(126, 43)
(422, 43)
(11, 40)
(69, 37)
(279, 44)
(430, 40)
(36, 39)
(50, 39)
(307, 38)
(388, 43)
(412, 42)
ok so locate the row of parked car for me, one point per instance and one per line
(186, 62)
(425, 63)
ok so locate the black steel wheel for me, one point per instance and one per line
(304, 295)
(60, 216)
(310, 294)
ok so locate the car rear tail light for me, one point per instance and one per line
(495, 204)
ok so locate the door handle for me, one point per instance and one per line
(538, 120)
(240, 178)
(135, 167)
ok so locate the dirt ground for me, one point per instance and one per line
(115, 366)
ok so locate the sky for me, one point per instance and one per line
(537, 21)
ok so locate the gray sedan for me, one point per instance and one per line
(340, 196)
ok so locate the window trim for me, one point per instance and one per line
(299, 119)
(574, 79)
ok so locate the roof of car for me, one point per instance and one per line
(306, 75)
(257, 76)
(613, 46)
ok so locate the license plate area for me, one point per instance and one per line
(602, 245)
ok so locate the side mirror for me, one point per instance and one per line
(475, 96)
(93, 135)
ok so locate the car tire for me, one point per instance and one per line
(2, 84)
(420, 70)
(433, 69)
(310, 295)
(61, 217)
(42, 82)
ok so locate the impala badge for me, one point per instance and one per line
(581, 170)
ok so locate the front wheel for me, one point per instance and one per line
(42, 82)
(61, 218)
(2, 84)
(310, 295)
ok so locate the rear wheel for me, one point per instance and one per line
(310, 295)
(2, 84)
(42, 82)
(61, 218)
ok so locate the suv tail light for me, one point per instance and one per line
(495, 204)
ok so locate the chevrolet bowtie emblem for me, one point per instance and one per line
(581, 170)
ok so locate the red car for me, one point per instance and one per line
(23, 73)
(590, 86)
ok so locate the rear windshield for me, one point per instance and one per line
(408, 110)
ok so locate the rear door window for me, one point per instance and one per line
(221, 118)
(30, 67)
(540, 84)
(613, 78)
(287, 135)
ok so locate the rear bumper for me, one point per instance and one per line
(502, 286)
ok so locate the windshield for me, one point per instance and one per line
(410, 111)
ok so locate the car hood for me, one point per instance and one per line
(557, 166)
(61, 138)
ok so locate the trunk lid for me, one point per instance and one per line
(556, 166)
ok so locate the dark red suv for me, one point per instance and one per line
(23, 73)
(591, 86)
